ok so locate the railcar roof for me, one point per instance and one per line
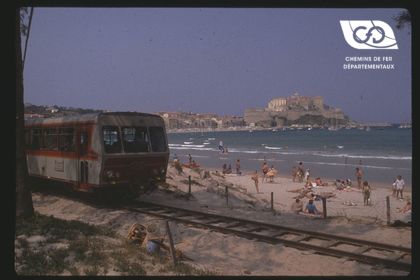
(92, 117)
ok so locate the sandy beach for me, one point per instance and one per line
(232, 255)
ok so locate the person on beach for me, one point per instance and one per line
(189, 158)
(406, 208)
(264, 170)
(175, 158)
(294, 173)
(221, 146)
(297, 206)
(366, 193)
(307, 175)
(238, 167)
(359, 176)
(224, 168)
(271, 173)
(311, 208)
(229, 169)
(300, 172)
(399, 185)
(254, 177)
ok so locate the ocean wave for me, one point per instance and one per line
(189, 147)
(276, 150)
(360, 156)
(356, 165)
(188, 142)
(273, 148)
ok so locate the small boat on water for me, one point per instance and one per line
(404, 126)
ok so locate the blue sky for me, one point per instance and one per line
(220, 60)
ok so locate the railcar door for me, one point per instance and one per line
(82, 170)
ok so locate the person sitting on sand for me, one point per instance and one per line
(194, 164)
(297, 206)
(339, 184)
(406, 208)
(254, 177)
(178, 166)
(311, 208)
(271, 173)
(229, 169)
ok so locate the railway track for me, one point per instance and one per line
(373, 253)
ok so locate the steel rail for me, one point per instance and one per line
(251, 229)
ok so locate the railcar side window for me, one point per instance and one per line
(51, 139)
(135, 139)
(28, 133)
(66, 139)
(37, 139)
(112, 141)
(157, 137)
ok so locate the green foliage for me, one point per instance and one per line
(87, 253)
(44, 225)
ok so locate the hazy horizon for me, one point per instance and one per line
(211, 60)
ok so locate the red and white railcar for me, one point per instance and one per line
(101, 150)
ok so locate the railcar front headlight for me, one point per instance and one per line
(109, 174)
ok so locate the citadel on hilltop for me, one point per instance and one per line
(296, 110)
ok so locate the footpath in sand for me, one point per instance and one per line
(232, 255)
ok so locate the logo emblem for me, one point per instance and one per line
(368, 34)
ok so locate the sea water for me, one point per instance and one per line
(382, 153)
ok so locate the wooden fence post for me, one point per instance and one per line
(272, 202)
(324, 206)
(388, 211)
(227, 195)
(189, 185)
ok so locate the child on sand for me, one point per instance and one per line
(254, 177)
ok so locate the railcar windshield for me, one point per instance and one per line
(135, 139)
(157, 135)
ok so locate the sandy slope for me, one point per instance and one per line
(232, 255)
